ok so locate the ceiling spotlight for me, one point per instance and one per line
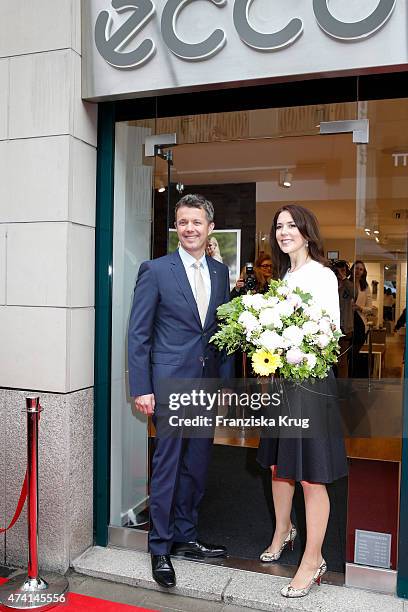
(161, 189)
(377, 239)
(285, 178)
(367, 229)
(376, 232)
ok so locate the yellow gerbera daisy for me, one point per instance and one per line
(265, 363)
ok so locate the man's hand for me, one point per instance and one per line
(145, 404)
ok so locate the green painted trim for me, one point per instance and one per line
(402, 587)
(402, 578)
(103, 318)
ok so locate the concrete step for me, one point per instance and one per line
(230, 586)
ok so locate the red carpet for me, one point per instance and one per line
(83, 603)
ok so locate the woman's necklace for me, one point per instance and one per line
(295, 269)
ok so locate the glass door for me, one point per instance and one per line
(250, 164)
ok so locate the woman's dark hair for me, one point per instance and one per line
(363, 279)
(308, 226)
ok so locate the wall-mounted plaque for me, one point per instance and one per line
(372, 548)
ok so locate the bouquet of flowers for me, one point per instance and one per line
(282, 328)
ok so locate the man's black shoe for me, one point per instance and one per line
(163, 571)
(197, 550)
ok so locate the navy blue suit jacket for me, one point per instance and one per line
(166, 338)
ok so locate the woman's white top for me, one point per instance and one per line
(321, 283)
(364, 300)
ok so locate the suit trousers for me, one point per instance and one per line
(177, 486)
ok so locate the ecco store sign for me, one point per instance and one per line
(146, 47)
(111, 44)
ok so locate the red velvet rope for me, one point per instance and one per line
(20, 505)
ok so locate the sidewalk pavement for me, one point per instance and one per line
(135, 596)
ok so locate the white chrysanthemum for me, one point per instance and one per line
(283, 290)
(270, 340)
(247, 300)
(269, 316)
(259, 301)
(324, 325)
(311, 360)
(313, 312)
(256, 301)
(295, 300)
(322, 340)
(294, 335)
(248, 321)
(310, 327)
(294, 356)
(285, 308)
(272, 301)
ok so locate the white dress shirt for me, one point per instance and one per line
(188, 263)
(321, 283)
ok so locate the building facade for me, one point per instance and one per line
(240, 92)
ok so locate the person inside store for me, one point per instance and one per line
(347, 297)
(362, 307)
(313, 461)
(213, 249)
(262, 271)
(401, 320)
(388, 304)
(256, 280)
(172, 319)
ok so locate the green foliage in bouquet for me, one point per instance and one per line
(280, 329)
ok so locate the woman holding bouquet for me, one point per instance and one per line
(313, 461)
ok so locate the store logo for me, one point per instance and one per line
(112, 44)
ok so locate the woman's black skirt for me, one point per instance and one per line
(310, 446)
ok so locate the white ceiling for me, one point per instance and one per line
(348, 186)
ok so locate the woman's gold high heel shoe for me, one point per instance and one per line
(268, 557)
(289, 591)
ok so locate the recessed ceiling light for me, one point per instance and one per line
(285, 178)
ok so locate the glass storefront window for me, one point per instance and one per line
(358, 193)
(131, 245)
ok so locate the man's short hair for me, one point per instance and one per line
(192, 200)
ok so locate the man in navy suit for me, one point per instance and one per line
(172, 320)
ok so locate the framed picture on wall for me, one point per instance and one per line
(332, 254)
(224, 245)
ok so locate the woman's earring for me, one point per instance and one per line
(306, 244)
